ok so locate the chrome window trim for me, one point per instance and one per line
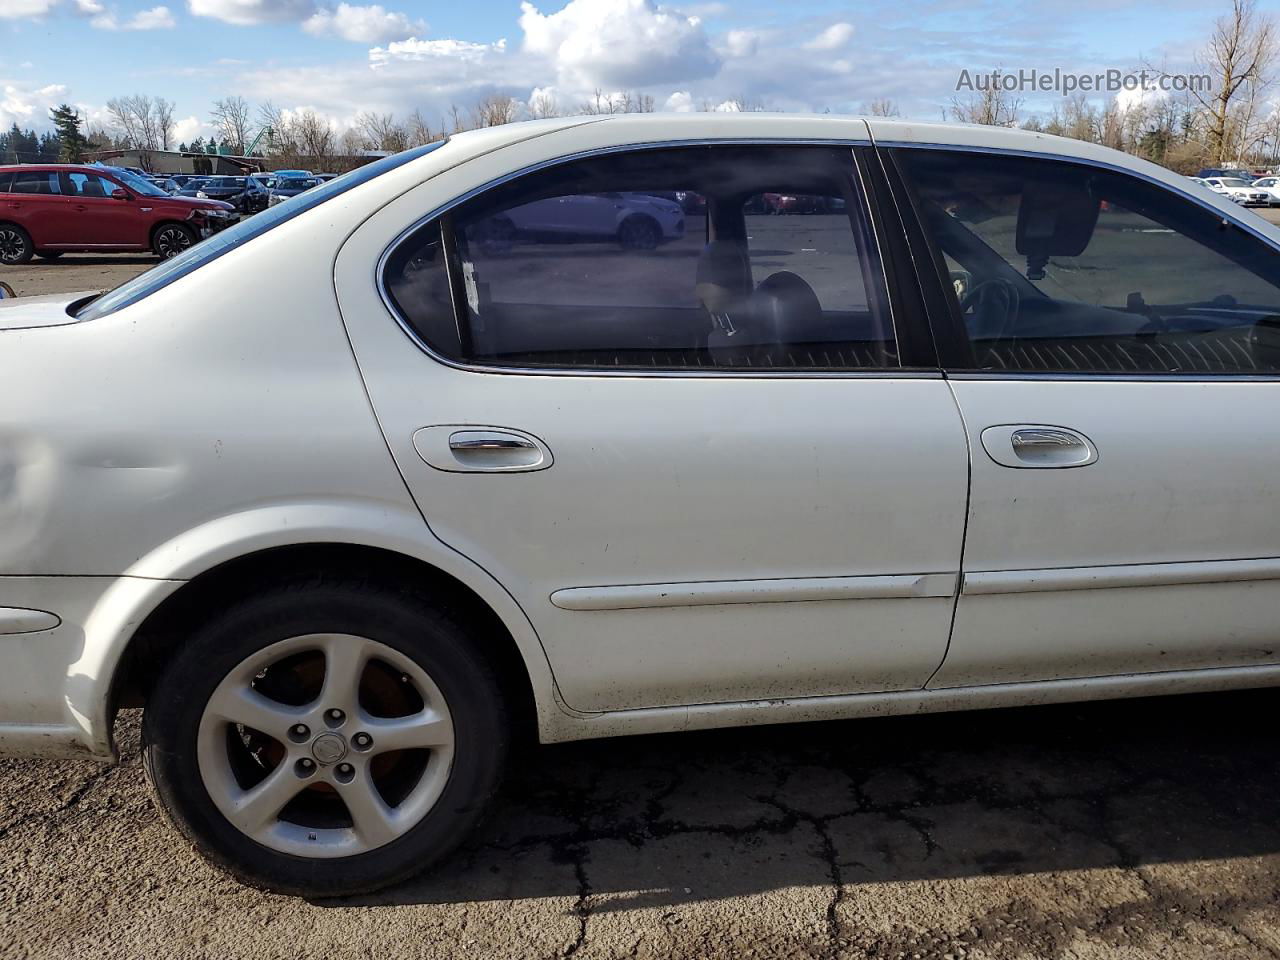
(1112, 168)
(894, 373)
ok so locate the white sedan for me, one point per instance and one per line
(351, 498)
(1271, 186)
(1238, 191)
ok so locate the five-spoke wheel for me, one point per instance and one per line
(327, 739)
(353, 766)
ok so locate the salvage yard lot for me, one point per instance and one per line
(1139, 829)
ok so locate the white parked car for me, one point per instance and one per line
(1269, 185)
(993, 425)
(633, 220)
(1237, 190)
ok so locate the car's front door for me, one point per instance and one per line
(703, 470)
(1117, 363)
(101, 219)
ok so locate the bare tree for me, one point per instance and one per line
(495, 110)
(419, 131)
(543, 105)
(992, 106)
(314, 135)
(882, 107)
(164, 122)
(383, 132)
(230, 116)
(1240, 55)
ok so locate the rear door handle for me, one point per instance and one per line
(1038, 446)
(464, 448)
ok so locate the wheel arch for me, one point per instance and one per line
(139, 622)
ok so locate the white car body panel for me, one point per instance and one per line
(226, 414)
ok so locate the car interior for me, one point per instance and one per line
(812, 296)
(1063, 268)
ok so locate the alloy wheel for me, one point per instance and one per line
(325, 745)
(171, 241)
(13, 245)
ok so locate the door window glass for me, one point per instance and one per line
(36, 181)
(88, 185)
(1062, 267)
(704, 257)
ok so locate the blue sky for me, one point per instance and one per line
(341, 58)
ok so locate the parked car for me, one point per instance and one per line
(633, 220)
(1237, 190)
(1270, 186)
(246, 194)
(178, 181)
(1234, 172)
(287, 187)
(47, 210)
(612, 491)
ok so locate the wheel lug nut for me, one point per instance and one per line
(362, 741)
(345, 772)
(335, 716)
(299, 732)
(304, 767)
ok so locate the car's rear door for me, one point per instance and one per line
(1117, 362)
(725, 469)
(35, 203)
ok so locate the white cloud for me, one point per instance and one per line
(618, 43)
(27, 106)
(832, 38)
(157, 18)
(184, 131)
(741, 43)
(248, 12)
(371, 24)
(441, 51)
(679, 102)
(20, 9)
(89, 8)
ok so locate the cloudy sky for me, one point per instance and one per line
(341, 58)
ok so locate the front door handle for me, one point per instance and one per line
(464, 448)
(1037, 446)
(487, 441)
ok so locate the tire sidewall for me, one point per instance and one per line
(426, 636)
(29, 249)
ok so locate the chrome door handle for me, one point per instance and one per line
(463, 448)
(1041, 437)
(466, 441)
(1034, 446)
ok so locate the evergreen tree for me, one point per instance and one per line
(72, 143)
(197, 145)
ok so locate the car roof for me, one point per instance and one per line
(55, 168)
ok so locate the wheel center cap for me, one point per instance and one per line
(329, 748)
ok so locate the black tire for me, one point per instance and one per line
(170, 239)
(406, 622)
(639, 233)
(15, 245)
(49, 254)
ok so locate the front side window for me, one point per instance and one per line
(1063, 267)
(733, 257)
(78, 184)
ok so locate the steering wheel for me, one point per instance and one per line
(995, 304)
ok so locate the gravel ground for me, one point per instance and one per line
(1141, 829)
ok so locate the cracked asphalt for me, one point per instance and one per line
(1130, 829)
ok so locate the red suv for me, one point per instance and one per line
(48, 209)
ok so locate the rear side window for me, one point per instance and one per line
(6, 182)
(43, 183)
(731, 257)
